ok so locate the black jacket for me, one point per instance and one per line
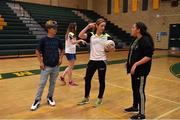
(143, 47)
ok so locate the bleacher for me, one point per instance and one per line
(42, 13)
(15, 38)
(63, 16)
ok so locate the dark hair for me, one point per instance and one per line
(143, 31)
(98, 22)
(71, 28)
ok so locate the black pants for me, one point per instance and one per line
(138, 86)
(92, 66)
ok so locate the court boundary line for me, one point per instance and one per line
(160, 98)
(156, 77)
(172, 71)
(127, 89)
(167, 113)
(164, 99)
(9, 75)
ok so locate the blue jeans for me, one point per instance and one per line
(53, 73)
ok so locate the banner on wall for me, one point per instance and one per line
(156, 4)
(125, 6)
(134, 5)
(109, 6)
(144, 5)
(116, 6)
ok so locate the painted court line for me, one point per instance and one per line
(129, 90)
(159, 78)
(167, 113)
(79, 66)
(117, 86)
(146, 94)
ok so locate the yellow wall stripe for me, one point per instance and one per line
(156, 4)
(134, 5)
(116, 6)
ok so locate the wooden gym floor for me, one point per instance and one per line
(17, 93)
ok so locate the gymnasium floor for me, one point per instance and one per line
(17, 93)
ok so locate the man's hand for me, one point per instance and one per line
(60, 62)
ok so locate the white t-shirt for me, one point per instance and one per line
(97, 44)
(69, 47)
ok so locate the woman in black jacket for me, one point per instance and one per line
(139, 65)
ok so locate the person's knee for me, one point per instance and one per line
(42, 84)
(71, 64)
(52, 83)
(70, 67)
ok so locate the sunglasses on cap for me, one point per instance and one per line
(51, 24)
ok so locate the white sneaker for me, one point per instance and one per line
(50, 101)
(35, 105)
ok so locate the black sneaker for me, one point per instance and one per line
(50, 101)
(138, 116)
(35, 105)
(131, 109)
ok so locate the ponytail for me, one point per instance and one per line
(143, 31)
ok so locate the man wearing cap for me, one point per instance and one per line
(49, 53)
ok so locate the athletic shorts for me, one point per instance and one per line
(71, 56)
